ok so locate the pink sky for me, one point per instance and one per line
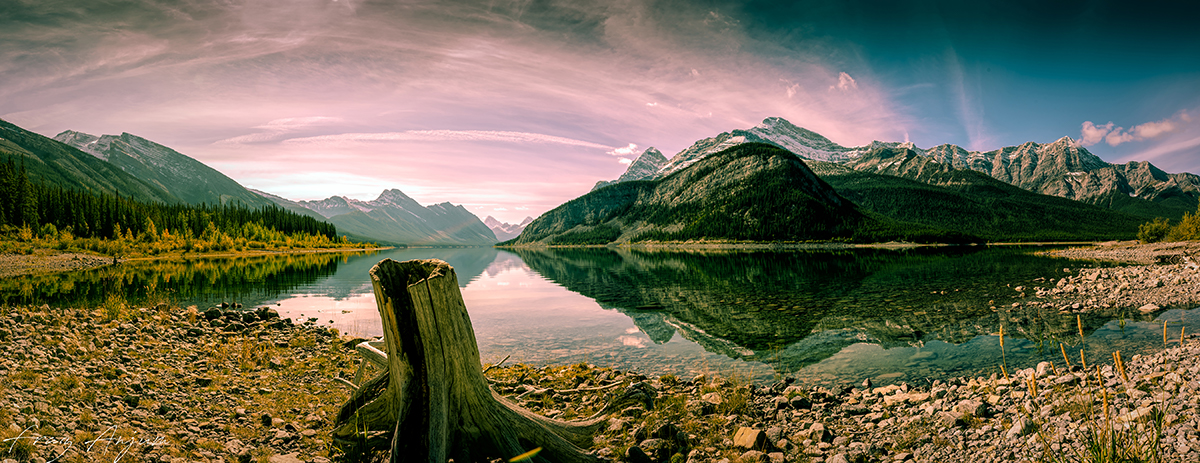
(508, 109)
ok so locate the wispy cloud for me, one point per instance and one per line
(450, 135)
(844, 83)
(1092, 134)
(969, 105)
(280, 128)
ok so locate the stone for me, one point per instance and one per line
(234, 446)
(754, 456)
(749, 438)
(666, 431)
(948, 420)
(774, 433)
(818, 433)
(1020, 428)
(800, 403)
(657, 449)
(635, 454)
(973, 408)
(838, 458)
(1042, 370)
(293, 457)
(1148, 308)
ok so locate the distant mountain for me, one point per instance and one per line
(55, 163)
(506, 231)
(289, 205)
(1061, 168)
(774, 131)
(1065, 169)
(395, 218)
(646, 166)
(903, 185)
(183, 177)
(747, 192)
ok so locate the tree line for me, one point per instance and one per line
(52, 212)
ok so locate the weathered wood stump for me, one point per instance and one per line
(433, 396)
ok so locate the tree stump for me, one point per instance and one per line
(433, 396)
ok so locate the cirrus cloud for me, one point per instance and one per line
(845, 83)
(449, 135)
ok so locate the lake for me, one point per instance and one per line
(830, 317)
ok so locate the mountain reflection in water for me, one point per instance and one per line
(927, 312)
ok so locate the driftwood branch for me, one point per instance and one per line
(494, 365)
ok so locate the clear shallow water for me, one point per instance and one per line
(822, 317)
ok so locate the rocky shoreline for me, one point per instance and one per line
(1163, 276)
(225, 385)
(45, 261)
(168, 384)
(1033, 414)
(165, 384)
(42, 261)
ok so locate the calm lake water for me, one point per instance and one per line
(822, 317)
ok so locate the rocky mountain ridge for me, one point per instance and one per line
(137, 168)
(189, 180)
(1061, 168)
(395, 218)
(52, 162)
(645, 166)
(506, 231)
(749, 192)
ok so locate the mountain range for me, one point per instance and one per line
(395, 218)
(749, 191)
(774, 181)
(1053, 191)
(188, 180)
(505, 231)
(54, 163)
(137, 168)
(1062, 168)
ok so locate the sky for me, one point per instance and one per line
(512, 108)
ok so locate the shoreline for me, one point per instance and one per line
(686, 245)
(224, 385)
(48, 261)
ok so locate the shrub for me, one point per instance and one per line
(1188, 229)
(1154, 231)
